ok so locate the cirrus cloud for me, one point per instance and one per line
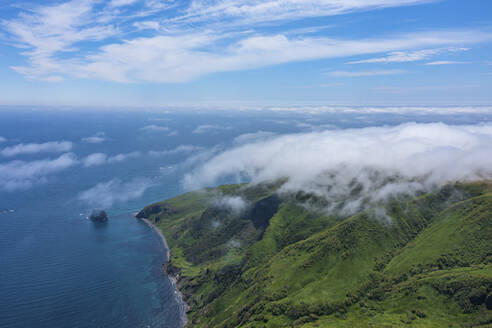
(276, 10)
(444, 62)
(409, 56)
(51, 36)
(365, 73)
(179, 58)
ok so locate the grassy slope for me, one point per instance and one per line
(429, 267)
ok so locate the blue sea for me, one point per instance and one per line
(59, 269)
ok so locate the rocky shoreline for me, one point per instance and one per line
(173, 274)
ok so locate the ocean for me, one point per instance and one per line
(59, 269)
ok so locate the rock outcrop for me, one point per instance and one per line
(99, 216)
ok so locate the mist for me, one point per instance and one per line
(235, 204)
(20, 175)
(354, 168)
(34, 148)
(106, 194)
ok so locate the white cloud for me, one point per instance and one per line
(206, 128)
(95, 159)
(94, 139)
(123, 157)
(180, 149)
(410, 110)
(444, 62)
(17, 175)
(181, 58)
(200, 157)
(315, 86)
(48, 30)
(34, 148)
(154, 127)
(253, 137)
(147, 25)
(101, 158)
(233, 203)
(371, 164)
(159, 128)
(119, 3)
(99, 137)
(408, 56)
(105, 194)
(400, 57)
(2, 139)
(173, 133)
(434, 88)
(175, 51)
(274, 10)
(365, 73)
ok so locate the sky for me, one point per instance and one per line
(206, 52)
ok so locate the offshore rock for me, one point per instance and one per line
(99, 216)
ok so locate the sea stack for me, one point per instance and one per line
(99, 216)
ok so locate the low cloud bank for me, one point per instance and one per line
(355, 167)
(159, 128)
(253, 137)
(34, 148)
(17, 175)
(95, 159)
(185, 149)
(96, 138)
(21, 175)
(403, 110)
(101, 158)
(105, 194)
(154, 127)
(206, 128)
(235, 204)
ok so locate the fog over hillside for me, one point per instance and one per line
(366, 165)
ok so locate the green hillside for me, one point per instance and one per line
(280, 263)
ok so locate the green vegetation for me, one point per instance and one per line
(280, 263)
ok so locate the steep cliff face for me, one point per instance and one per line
(154, 209)
(280, 260)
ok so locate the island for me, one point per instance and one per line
(251, 256)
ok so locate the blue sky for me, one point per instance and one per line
(164, 52)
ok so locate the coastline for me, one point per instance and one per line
(174, 281)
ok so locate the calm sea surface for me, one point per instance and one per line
(57, 268)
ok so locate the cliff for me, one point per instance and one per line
(247, 256)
